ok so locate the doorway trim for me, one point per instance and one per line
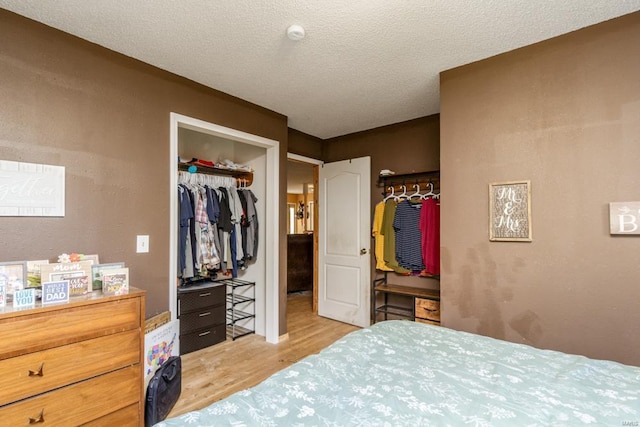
(304, 159)
(272, 147)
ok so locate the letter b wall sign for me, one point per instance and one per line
(624, 217)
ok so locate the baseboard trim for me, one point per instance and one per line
(283, 338)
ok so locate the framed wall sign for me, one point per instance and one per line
(510, 211)
(30, 189)
(624, 218)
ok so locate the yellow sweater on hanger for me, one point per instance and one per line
(379, 237)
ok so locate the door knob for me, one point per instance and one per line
(363, 251)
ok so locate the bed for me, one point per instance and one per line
(402, 373)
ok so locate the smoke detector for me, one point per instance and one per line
(295, 32)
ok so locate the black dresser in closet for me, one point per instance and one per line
(201, 310)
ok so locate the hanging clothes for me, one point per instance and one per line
(376, 232)
(209, 257)
(252, 224)
(243, 228)
(185, 216)
(430, 228)
(213, 212)
(389, 234)
(408, 235)
(225, 228)
(236, 218)
(218, 226)
(191, 250)
(409, 232)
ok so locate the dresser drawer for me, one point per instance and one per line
(124, 417)
(79, 403)
(38, 372)
(202, 297)
(205, 318)
(203, 338)
(50, 328)
(428, 309)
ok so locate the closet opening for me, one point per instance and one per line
(194, 138)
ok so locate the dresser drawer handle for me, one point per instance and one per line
(205, 294)
(38, 373)
(38, 420)
(204, 333)
(204, 314)
(431, 309)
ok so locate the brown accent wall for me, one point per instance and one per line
(564, 114)
(105, 117)
(411, 146)
(304, 144)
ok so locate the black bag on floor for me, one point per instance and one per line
(163, 391)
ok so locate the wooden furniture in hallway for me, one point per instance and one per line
(299, 262)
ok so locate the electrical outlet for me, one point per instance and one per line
(142, 245)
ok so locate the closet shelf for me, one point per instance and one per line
(235, 331)
(396, 310)
(409, 290)
(408, 178)
(424, 304)
(247, 303)
(235, 315)
(237, 299)
(247, 177)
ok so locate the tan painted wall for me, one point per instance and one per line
(565, 114)
(304, 144)
(105, 117)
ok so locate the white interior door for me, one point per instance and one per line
(344, 237)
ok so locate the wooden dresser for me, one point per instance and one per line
(73, 364)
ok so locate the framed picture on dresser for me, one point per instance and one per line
(98, 269)
(13, 277)
(77, 273)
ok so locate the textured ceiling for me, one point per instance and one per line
(362, 64)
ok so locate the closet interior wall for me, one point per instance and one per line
(194, 144)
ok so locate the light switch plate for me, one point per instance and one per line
(142, 245)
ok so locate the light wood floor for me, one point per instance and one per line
(214, 373)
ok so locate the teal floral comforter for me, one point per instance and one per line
(401, 373)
